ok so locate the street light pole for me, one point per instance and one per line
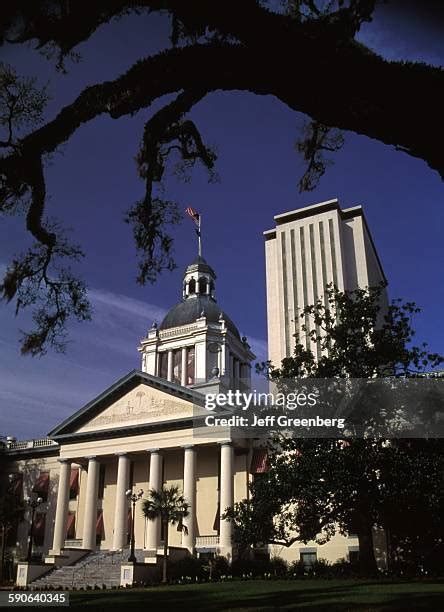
(133, 499)
(33, 504)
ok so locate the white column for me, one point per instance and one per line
(170, 366)
(189, 492)
(183, 381)
(222, 357)
(92, 489)
(153, 527)
(62, 507)
(236, 373)
(121, 506)
(226, 496)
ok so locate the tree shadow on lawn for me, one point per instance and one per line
(312, 599)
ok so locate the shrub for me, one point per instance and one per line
(296, 569)
(278, 566)
(320, 567)
(342, 569)
(216, 567)
(188, 569)
(253, 568)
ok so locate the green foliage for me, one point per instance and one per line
(34, 278)
(315, 140)
(167, 504)
(278, 566)
(22, 104)
(189, 569)
(317, 487)
(251, 522)
(170, 507)
(360, 336)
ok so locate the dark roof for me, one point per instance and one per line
(200, 264)
(191, 308)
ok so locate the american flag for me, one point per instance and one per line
(193, 214)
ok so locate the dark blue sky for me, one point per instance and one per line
(93, 180)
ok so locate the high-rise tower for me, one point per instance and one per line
(308, 249)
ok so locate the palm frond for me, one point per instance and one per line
(166, 503)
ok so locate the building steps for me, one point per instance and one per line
(97, 569)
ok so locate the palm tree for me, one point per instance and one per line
(170, 506)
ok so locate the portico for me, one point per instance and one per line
(165, 452)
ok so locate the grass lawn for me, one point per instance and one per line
(313, 595)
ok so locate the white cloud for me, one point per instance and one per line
(125, 304)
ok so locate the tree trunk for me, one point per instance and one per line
(165, 552)
(367, 560)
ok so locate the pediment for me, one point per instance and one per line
(140, 405)
(136, 400)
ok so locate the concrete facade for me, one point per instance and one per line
(308, 249)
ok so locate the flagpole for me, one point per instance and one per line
(199, 239)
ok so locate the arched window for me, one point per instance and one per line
(202, 286)
(192, 286)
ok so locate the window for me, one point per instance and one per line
(39, 528)
(216, 523)
(353, 555)
(190, 365)
(202, 285)
(259, 461)
(192, 286)
(101, 481)
(206, 556)
(100, 529)
(308, 558)
(74, 484)
(41, 486)
(71, 526)
(177, 366)
(163, 365)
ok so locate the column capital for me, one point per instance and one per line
(226, 443)
(63, 460)
(121, 453)
(153, 450)
(91, 457)
(188, 446)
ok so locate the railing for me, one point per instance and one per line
(37, 443)
(207, 541)
(168, 333)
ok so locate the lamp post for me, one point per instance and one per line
(133, 499)
(33, 503)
